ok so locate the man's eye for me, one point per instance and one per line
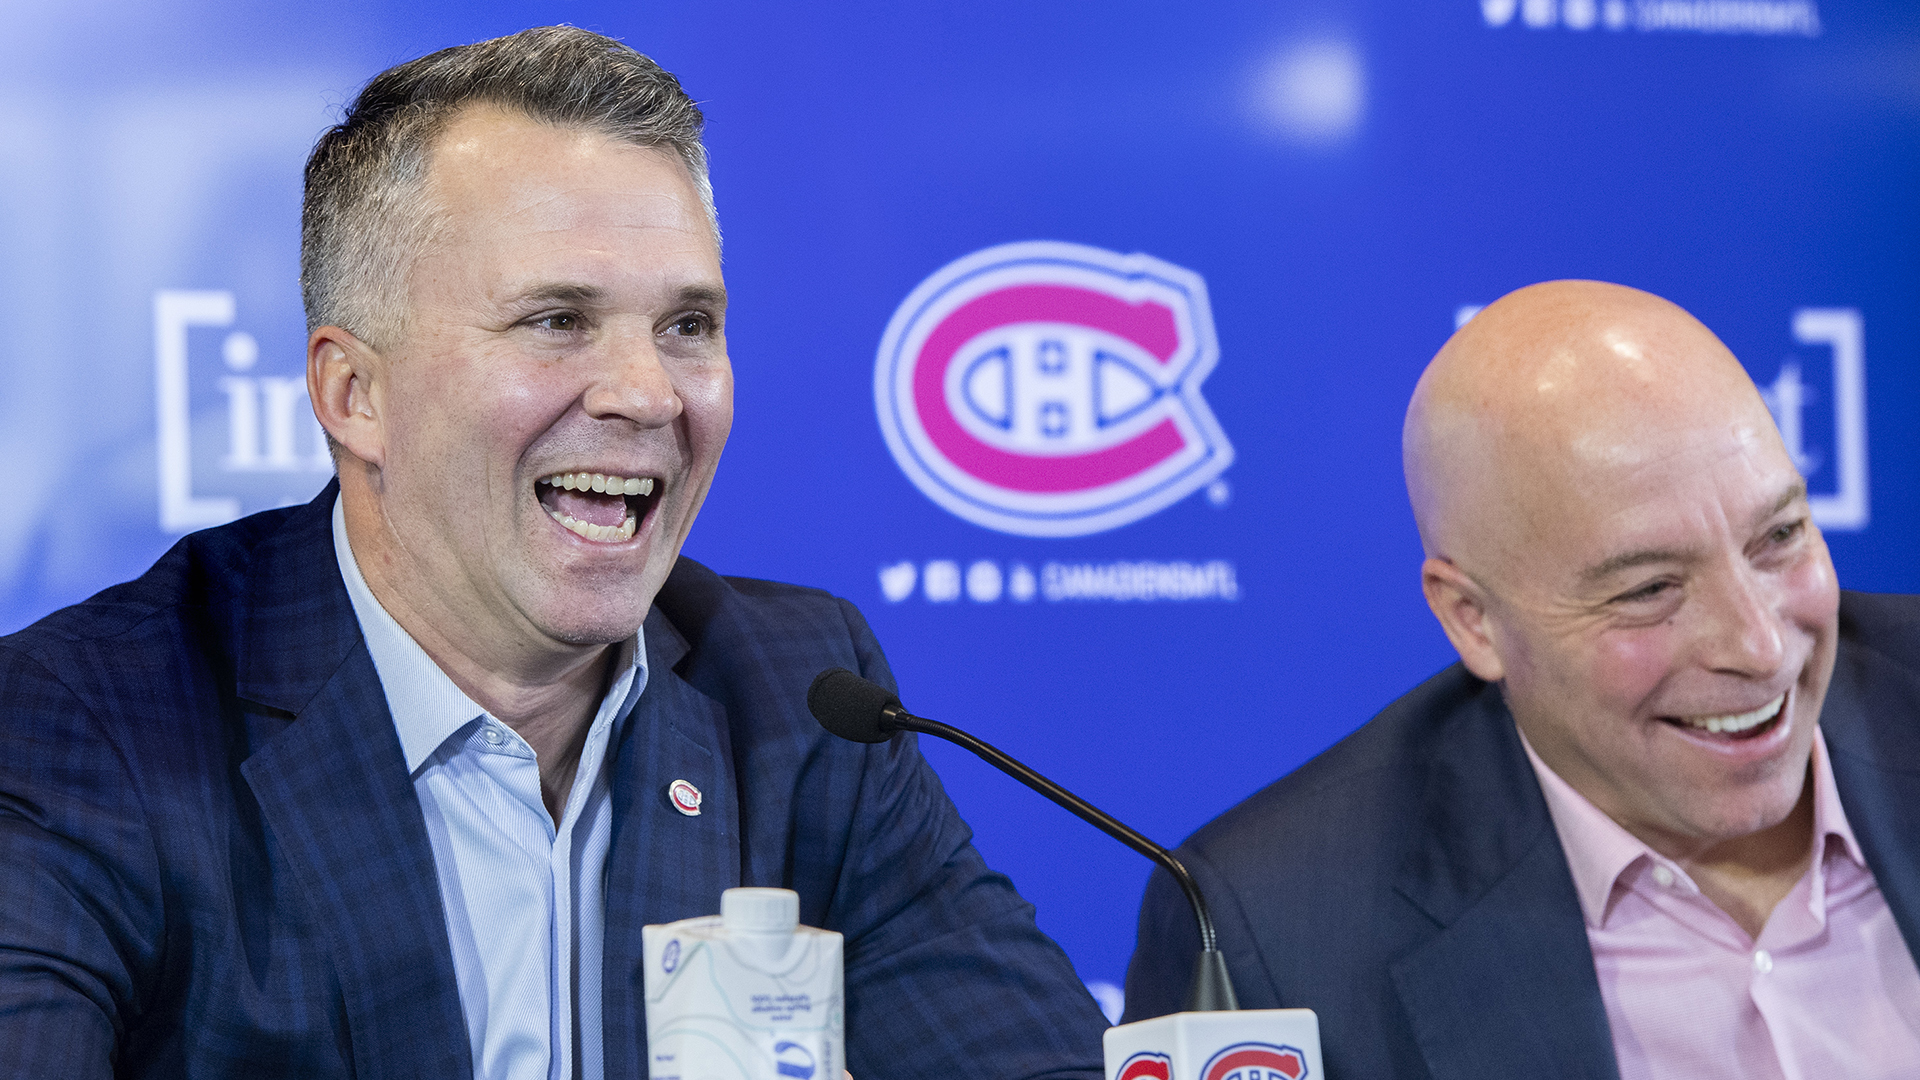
(565, 322)
(1651, 590)
(1786, 532)
(692, 324)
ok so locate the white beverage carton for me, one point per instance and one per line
(749, 994)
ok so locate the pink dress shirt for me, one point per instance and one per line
(1829, 989)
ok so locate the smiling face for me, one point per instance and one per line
(1619, 539)
(564, 328)
(1667, 647)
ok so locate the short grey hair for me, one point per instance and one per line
(365, 219)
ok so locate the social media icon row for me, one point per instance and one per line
(942, 581)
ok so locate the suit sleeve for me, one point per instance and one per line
(80, 923)
(946, 971)
(1169, 939)
(1161, 971)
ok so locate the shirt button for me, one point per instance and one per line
(1663, 877)
(1762, 961)
(493, 736)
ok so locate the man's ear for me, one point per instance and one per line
(341, 384)
(1461, 606)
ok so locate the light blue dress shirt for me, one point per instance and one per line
(524, 900)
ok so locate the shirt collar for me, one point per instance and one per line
(427, 706)
(1599, 850)
(1829, 817)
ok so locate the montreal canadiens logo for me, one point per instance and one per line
(685, 797)
(1146, 1066)
(1256, 1061)
(1052, 389)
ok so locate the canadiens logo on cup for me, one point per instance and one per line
(1256, 1061)
(1052, 389)
(1146, 1066)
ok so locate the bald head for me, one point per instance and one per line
(1551, 390)
(1617, 537)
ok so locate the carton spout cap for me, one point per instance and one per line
(760, 911)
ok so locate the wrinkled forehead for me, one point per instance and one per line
(1668, 480)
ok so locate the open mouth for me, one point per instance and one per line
(1746, 725)
(595, 506)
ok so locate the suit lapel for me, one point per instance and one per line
(663, 865)
(1873, 740)
(334, 789)
(1507, 986)
(1510, 972)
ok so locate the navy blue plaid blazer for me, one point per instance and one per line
(213, 864)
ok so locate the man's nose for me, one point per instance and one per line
(633, 383)
(1747, 633)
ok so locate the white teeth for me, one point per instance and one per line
(602, 533)
(609, 485)
(1726, 725)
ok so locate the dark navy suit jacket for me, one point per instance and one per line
(213, 864)
(1409, 887)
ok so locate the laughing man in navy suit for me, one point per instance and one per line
(387, 785)
(1663, 818)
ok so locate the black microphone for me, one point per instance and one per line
(853, 708)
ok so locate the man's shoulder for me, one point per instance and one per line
(1886, 623)
(136, 676)
(752, 641)
(691, 577)
(182, 592)
(1371, 784)
(774, 599)
(1324, 877)
(1874, 698)
(701, 604)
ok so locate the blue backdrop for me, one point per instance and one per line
(1346, 178)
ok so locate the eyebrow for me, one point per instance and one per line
(705, 295)
(1629, 560)
(560, 293)
(1794, 493)
(587, 295)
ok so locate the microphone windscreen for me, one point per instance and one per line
(850, 706)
